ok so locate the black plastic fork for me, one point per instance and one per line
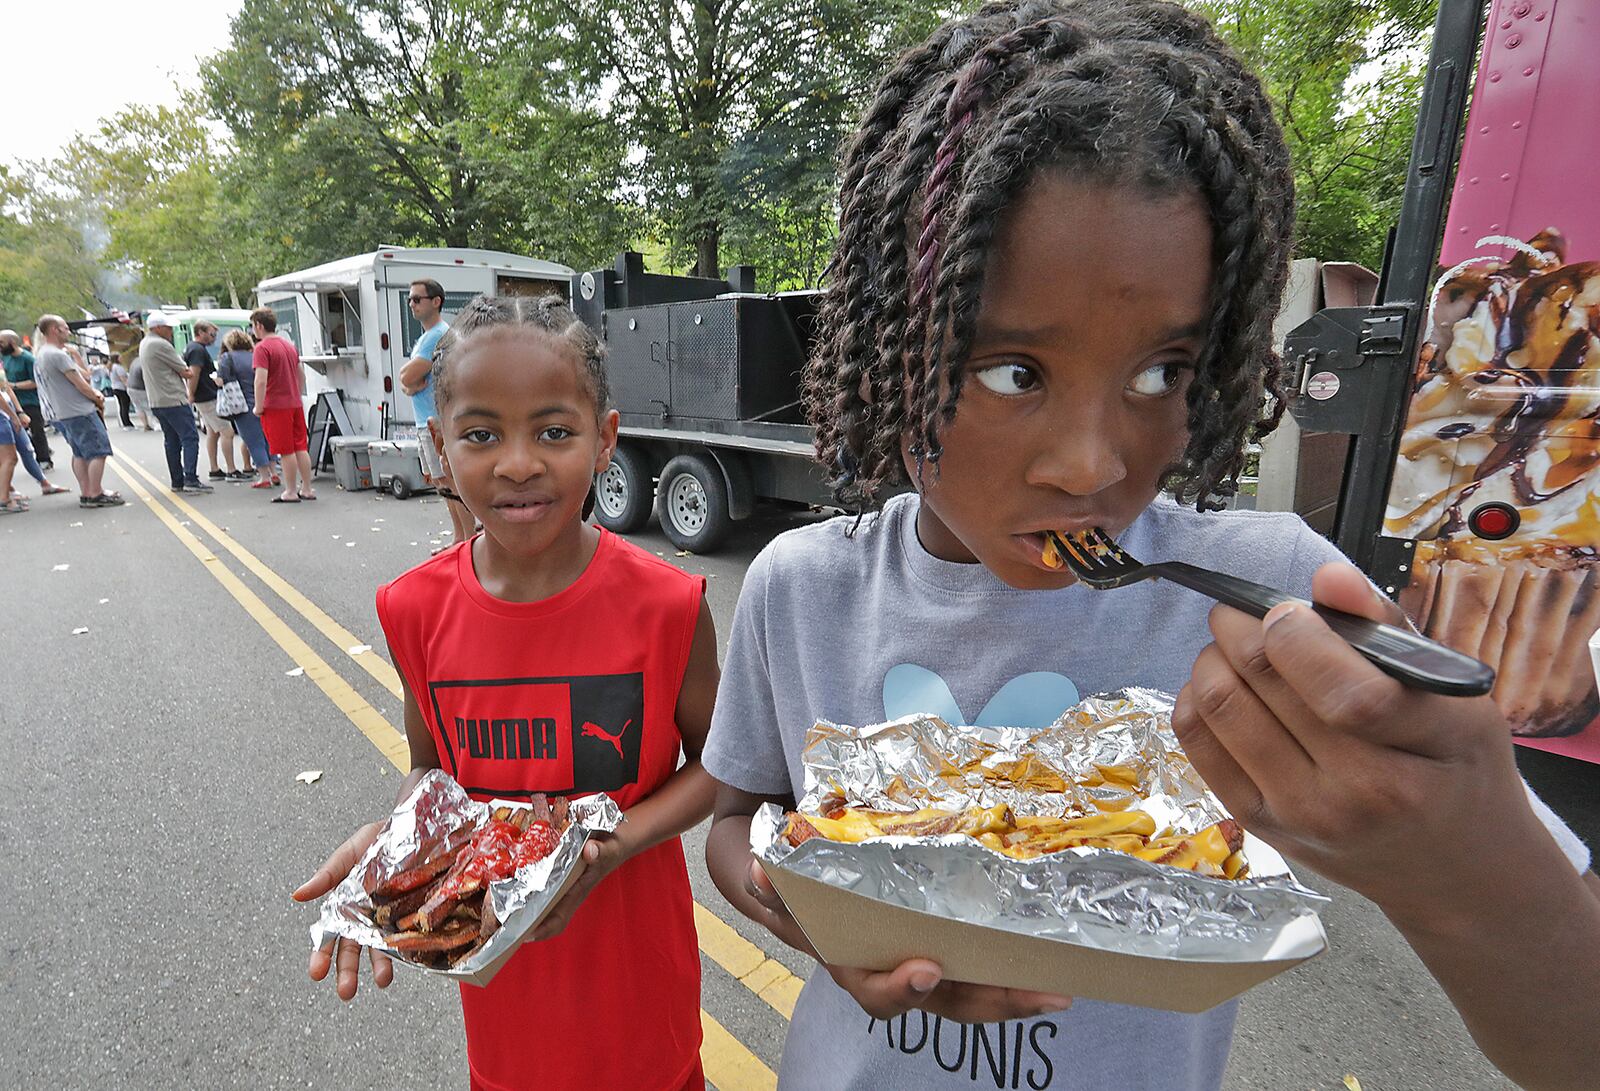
(1424, 664)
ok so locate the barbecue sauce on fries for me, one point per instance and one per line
(1215, 851)
(437, 912)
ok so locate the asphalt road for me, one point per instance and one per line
(152, 825)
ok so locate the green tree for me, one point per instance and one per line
(433, 122)
(155, 175)
(1346, 79)
(737, 109)
(46, 266)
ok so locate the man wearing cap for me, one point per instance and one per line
(19, 373)
(76, 406)
(166, 382)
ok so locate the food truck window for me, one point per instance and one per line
(288, 318)
(453, 302)
(342, 321)
(505, 284)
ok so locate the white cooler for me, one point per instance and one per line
(352, 467)
(397, 466)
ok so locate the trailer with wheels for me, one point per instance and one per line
(705, 375)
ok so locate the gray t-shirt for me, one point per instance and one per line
(865, 629)
(50, 371)
(163, 372)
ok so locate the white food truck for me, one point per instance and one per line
(350, 321)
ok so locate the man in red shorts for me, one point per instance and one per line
(283, 416)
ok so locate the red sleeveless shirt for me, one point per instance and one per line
(571, 695)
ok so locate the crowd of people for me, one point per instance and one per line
(245, 394)
(247, 402)
(54, 384)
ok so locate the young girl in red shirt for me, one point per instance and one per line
(547, 655)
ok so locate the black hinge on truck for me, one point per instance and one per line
(1346, 364)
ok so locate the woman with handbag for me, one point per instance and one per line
(236, 398)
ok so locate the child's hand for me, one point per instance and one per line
(1408, 797)
(774, 914)
(604, 853)
(915, 983)
(343, 951)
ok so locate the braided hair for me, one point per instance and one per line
(1117, 91)
(548, 314)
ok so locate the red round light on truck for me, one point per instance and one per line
(1494, 521)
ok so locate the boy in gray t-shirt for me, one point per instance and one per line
(863, 629)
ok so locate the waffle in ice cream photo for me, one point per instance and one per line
(1498, 479)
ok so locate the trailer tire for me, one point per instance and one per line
(399, 487)
(692, 503)
(623, 497)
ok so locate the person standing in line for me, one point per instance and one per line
(76, 407)
(237, 365)
(19, 372)
(119, 390)
(166, 380)
(203, 392)
(24, 442)
(137, 393)
(426, 300)
(279, 405)
(11, 431)
(99, 373)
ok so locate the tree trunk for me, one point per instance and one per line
(706, 256)
(459, 231)
(703, 119)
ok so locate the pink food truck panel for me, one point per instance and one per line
(1498, 474)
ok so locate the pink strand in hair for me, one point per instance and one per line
(965, 98)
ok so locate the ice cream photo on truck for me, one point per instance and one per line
(1464, 404)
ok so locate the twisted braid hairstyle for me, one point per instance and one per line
(548, 314)
(1125, 93)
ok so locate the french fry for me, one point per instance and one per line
(420, 874)
(1215, 850)
(437, 913)
(447, 939)
(388, 912)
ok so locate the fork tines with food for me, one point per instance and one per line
(1094, 557)
(1098, 562)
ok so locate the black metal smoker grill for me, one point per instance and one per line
(706, 377)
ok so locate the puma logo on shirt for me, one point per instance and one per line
(513, 737)
(596, 731)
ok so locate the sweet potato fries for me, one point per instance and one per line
(436, 912)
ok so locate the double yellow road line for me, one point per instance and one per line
(728, 1063)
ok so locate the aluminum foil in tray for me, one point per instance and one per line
(1159, 928)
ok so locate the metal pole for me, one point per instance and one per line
(1412, 266)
